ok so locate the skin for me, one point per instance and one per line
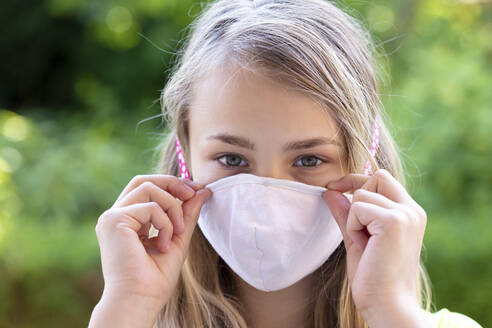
(382, 228)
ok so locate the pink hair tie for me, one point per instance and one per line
(181, 161)
(374, 147)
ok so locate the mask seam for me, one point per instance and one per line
(261, 261)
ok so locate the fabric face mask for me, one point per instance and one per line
(271, 232)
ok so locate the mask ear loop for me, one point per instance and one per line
(374, 147)
(367, 167)
(181, 161)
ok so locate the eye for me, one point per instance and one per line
(309, 161)
(231, 160)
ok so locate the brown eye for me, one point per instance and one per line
(232, 160)
(309, 161)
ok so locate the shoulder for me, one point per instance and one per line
(447, 319)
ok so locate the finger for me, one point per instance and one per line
(366, 220)
(366, 196)
(146, 192)
(193, 184)
(339, 206)
(135, 217)
(386, 184)
(348, 182)
(191, 211)
(163, 225)
(178, 187)
(381, 182)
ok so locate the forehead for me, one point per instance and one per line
(247, 103)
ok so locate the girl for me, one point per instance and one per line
(275, 104)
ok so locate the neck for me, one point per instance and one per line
(283, 308)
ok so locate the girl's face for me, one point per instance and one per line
(247, 123)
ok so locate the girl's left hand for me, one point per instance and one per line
(383, 230)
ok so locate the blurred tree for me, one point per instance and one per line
(80, 77)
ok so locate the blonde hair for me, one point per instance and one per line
(312, 46)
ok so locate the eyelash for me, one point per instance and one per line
(321, 161)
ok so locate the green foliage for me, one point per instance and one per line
(80, 75)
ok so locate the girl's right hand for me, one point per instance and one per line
(138, 268)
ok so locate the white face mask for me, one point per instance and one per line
(271, 232)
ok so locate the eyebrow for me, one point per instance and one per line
(294, 145)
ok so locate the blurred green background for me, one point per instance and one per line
(79, 85)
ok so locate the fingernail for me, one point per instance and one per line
(193, 183)
(333, 183)
(208, 194)
(190, 189)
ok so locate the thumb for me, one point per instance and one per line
(339, 206)
(191, 211)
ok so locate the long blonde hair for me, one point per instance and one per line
(312, 46)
